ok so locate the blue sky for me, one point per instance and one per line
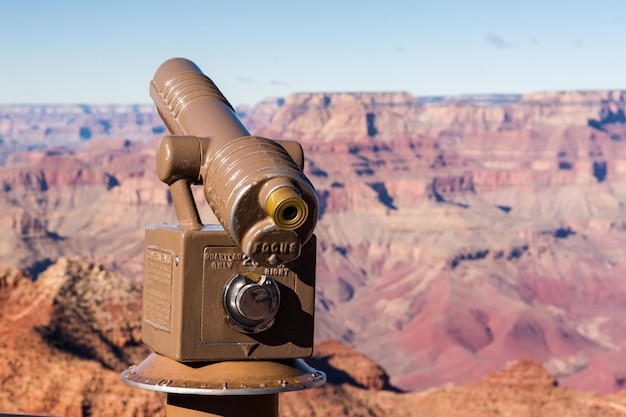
(107, 51)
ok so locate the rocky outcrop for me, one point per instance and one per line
(326, 120)
(48, 379)
(444, 186)
(96, 314)
(79, 321)
(520, 374)
(36, 377)
(16, 290)
(523, 388)
(344, 365)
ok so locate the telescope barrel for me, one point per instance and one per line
(254, 185)
(191, 104)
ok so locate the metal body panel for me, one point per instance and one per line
(184, 318)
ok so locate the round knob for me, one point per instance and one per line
(254, 302)
(251, 302)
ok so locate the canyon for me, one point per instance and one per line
(454, 237)
(472, 234)
(78, 342)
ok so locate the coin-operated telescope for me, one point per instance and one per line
(239, 295)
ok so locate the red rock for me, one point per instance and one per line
(462, 235)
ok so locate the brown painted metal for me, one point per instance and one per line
(229, 309)
(268, 210)
(184, 318)
(216, 406)
(245, 178)
(227, 378)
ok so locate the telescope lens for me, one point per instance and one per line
(288, 210)
(290, 213)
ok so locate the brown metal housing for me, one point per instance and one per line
(186, 273)
(228, 309)
(246, 289)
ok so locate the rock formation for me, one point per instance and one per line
(454, 237)
(460, 227)
(37, 377)
(96, 314)
(98, 331)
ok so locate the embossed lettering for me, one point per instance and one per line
(221, 256)
(247, 261)
(221, 265)
(275, 247)
(277, 272)
(158, 288)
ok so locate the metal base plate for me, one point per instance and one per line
(160, 373)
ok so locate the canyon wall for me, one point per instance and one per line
(80, 325)
(470, 233)
(454, 236)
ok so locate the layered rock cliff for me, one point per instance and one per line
(470, 233)
(454, 236)
(93, 312)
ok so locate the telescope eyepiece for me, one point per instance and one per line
(287, 208)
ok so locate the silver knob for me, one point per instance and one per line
(251, 302)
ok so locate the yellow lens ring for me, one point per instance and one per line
(288, 210)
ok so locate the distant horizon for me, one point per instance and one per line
(107, 52)
(418, 97)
